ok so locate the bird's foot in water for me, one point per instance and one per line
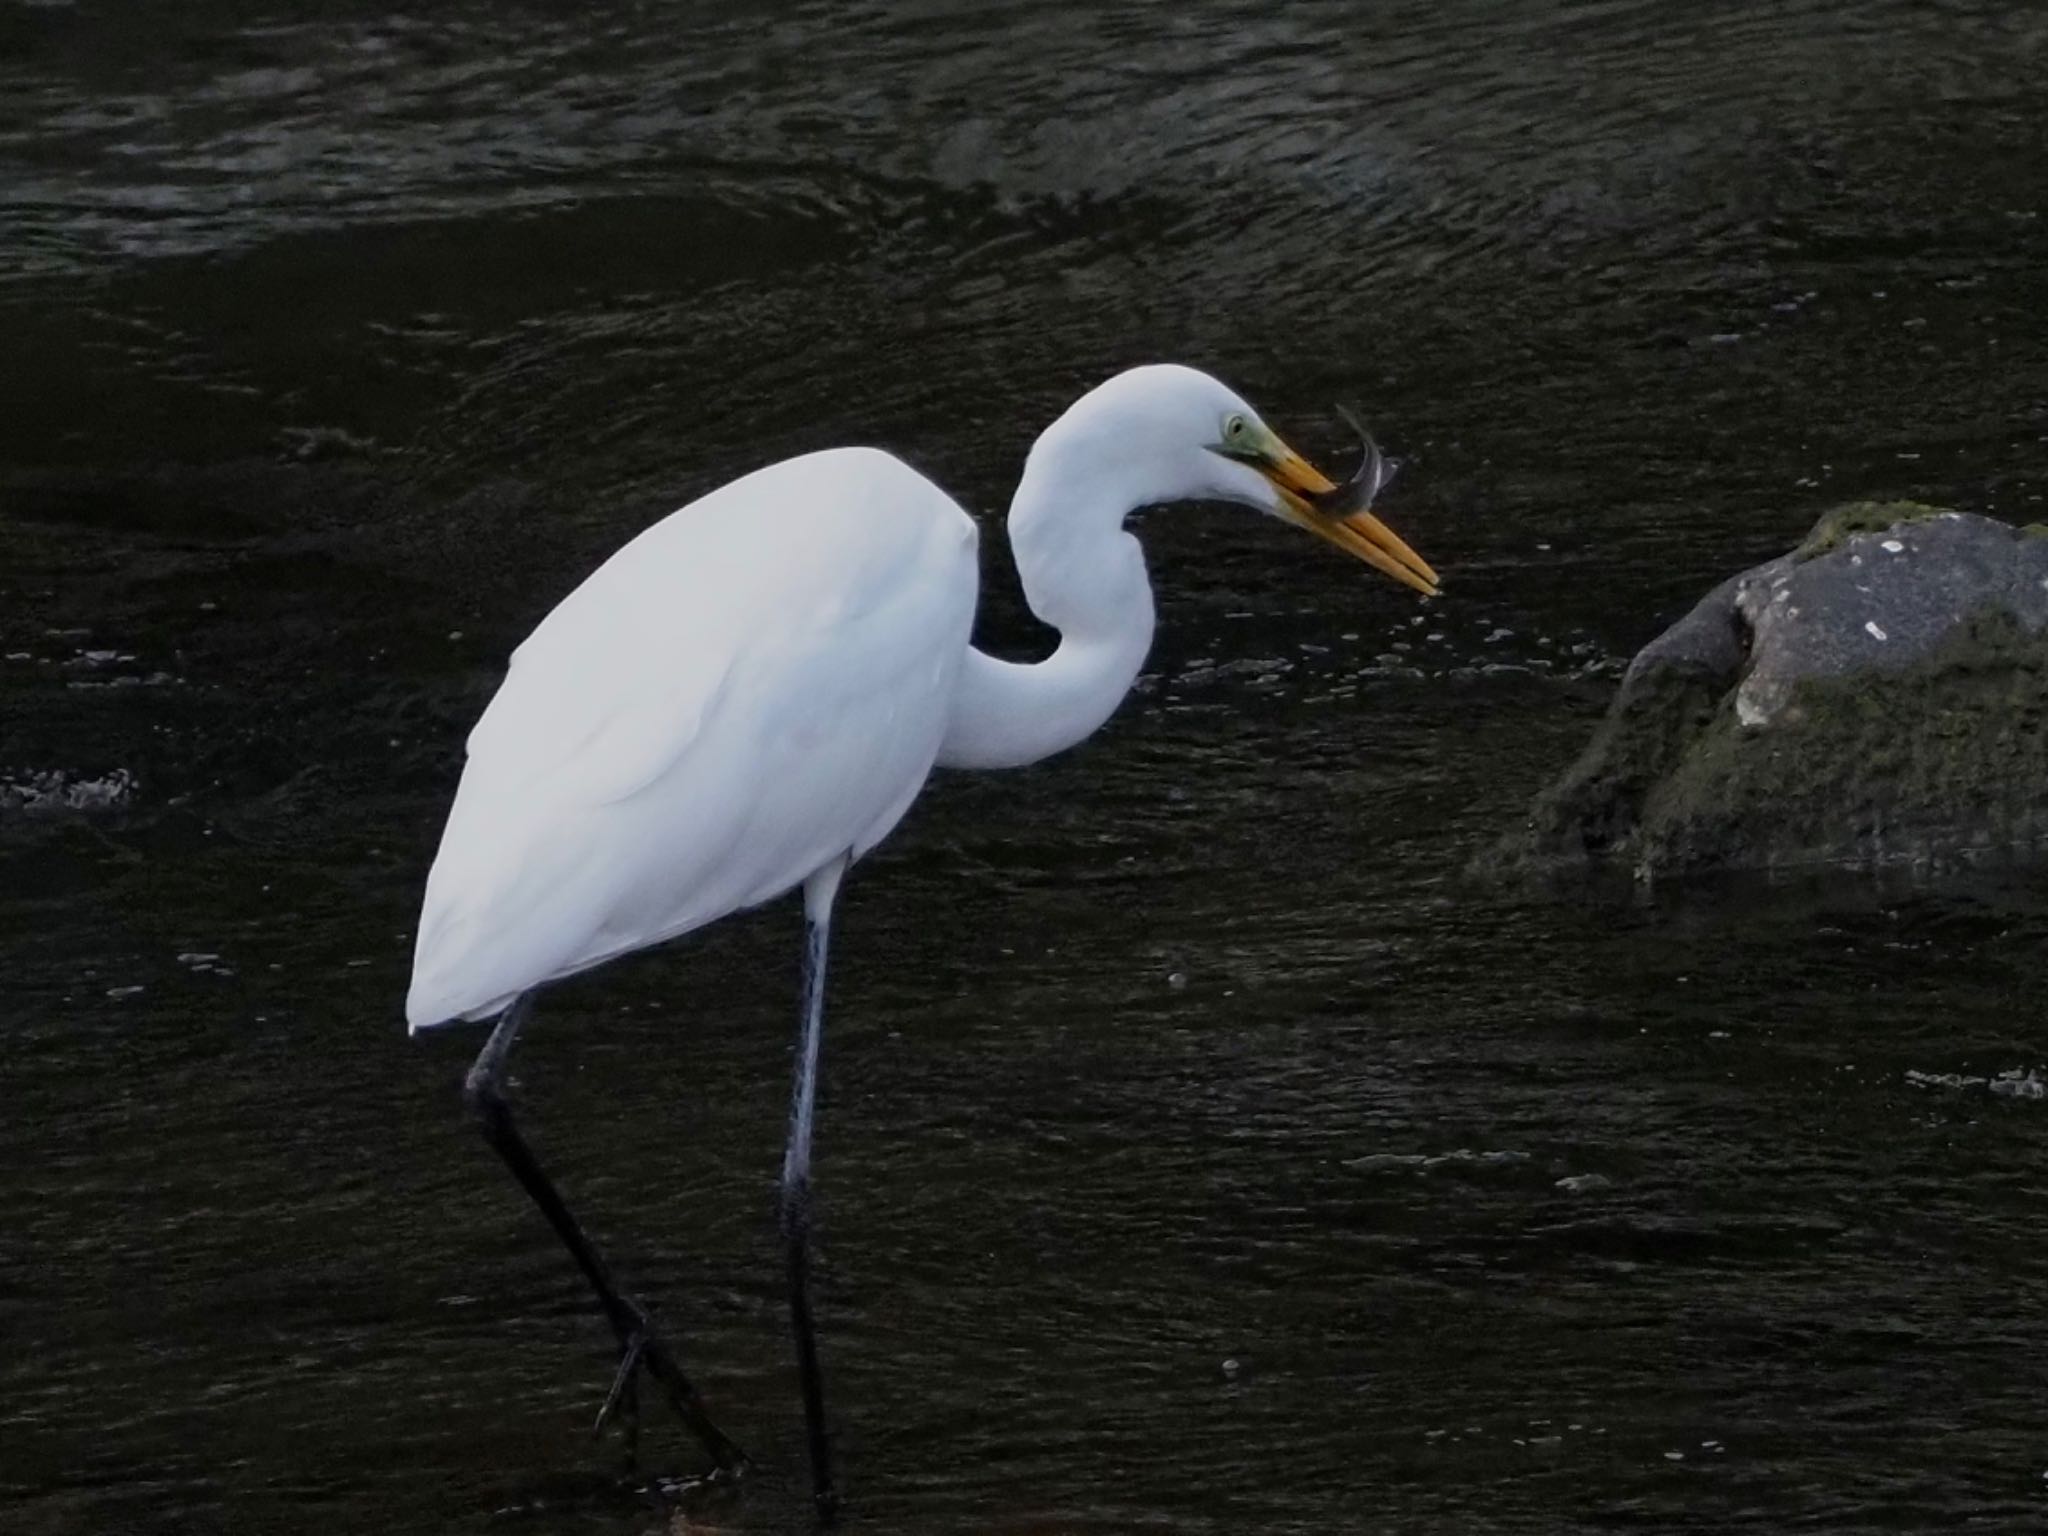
(623, 1400)
(826, 1502)
(642, 1349)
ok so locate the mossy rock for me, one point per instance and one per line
(1877, 696)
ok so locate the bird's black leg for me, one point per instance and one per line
(640, 1346)
(819, 893)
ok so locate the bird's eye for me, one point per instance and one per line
(1235, 428)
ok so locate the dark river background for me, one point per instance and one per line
(1198, 1151)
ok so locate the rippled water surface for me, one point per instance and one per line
(1198, 1153)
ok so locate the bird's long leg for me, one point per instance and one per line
(640, 1346)
(819, 893)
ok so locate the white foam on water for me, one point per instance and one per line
(53, 791)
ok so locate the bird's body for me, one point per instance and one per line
(755, 685)
(749, 695)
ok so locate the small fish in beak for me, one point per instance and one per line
(1374, 473)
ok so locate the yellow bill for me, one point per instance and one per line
(1359, 534)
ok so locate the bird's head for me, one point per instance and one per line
(1181, 435)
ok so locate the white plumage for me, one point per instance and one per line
(754, 685)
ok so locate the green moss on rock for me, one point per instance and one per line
(1945, 758)
(1838, 526)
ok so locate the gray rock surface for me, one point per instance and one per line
(1877, 696)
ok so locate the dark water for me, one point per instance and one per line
(336, 344)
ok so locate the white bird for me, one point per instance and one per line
(749, 695)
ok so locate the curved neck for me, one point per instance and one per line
(1083, 575)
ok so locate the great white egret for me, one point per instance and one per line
(747, 697)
